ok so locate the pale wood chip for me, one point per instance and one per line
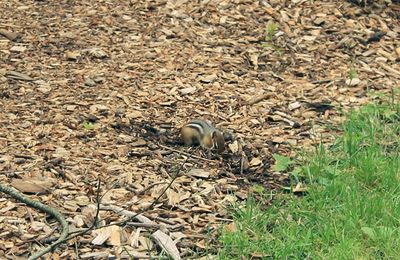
(32, 185)
(18, 76)
(165, 241)
(12, 36)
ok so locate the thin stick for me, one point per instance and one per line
(149, 187)
(64, 239)
(184, 153)
(49, 210)
(72, 235)
(325, 80)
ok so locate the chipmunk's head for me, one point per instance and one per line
(218, 141)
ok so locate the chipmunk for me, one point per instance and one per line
(200, 132)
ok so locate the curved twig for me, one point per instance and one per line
(65, 235)
(38, 205)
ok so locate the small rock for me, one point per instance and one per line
(19, 160)
(92, 118)
(376, 37)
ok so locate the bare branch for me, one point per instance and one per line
(49, 210)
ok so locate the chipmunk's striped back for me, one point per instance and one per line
(201, 132)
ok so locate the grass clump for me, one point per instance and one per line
(352, 206)
(270, 31)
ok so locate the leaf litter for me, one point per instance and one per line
(98, 90)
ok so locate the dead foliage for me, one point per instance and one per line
(98, 90)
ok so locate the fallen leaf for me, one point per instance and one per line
(30, 185)
(201, 173)
(12, 36)
(255, 162)
(231, 227)
(165, 242)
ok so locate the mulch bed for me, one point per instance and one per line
(97, 90)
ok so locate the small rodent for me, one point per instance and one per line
(200, 132)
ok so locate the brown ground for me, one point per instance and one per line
(105, 85)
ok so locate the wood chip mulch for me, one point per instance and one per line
(97, 90)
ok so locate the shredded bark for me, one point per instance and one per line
(97, 90)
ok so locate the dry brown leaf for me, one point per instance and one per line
(255, 162)
(101, 237)
(30, 185)
(95, 255)
(97, 53)
(166, 243)
(139, 78)
(200, 173)
(231, 227)
(115, 236)
(71, 206)
(12, 36)
(173, 197)
(8, 207)
(259, 255)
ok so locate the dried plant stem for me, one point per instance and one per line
(37, 205)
